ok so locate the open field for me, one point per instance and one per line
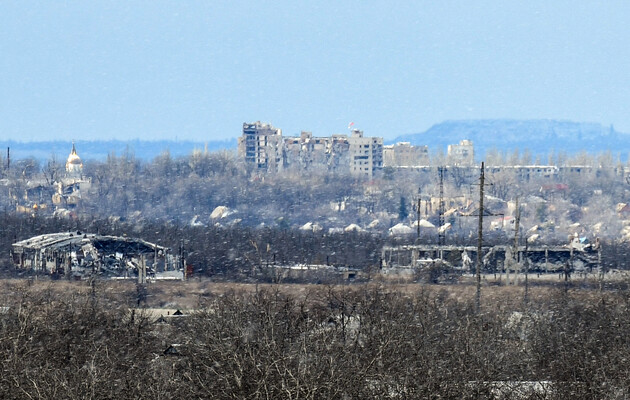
(194, 293)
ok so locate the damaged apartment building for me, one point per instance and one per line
(82, 254)
(263, 147)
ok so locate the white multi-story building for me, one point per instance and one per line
(264, 147)
(461, 154)
(366, 154)
(403, 154)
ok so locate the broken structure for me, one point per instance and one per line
(81, 254)
(264, 147)
(495, 258)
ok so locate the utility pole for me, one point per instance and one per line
(418, 222)
(480, 237)
(517, 223)
(524, 257)
(441, 230)
(568, 266)
(142, 270)
(526, 262)
(600, 266)
(142, 279)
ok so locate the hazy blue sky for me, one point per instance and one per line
(199, 69)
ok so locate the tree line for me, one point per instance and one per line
(329, 342)
(186, 189)
(240, 252)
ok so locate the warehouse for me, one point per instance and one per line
(80, 254)
(495, 258)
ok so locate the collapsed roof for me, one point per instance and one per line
(105, 244)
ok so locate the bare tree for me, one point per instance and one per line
(52, 170)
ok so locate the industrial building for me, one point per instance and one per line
(81, 254)
(495, 258)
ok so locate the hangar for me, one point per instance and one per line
(78, 254)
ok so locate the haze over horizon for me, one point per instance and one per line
(196, 71)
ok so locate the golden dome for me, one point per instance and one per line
(74, 159)
(74, 163)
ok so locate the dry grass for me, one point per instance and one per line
(195, 293)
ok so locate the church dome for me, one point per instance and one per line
(74, 159)
(74, 164)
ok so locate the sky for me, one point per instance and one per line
(196, 70)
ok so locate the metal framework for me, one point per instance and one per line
(78, 254)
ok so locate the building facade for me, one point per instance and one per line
(261, 146)
(461, 154)
(306, 152)
(366, 154)
(264, 147)
(403, 154)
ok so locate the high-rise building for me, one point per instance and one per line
(262, 146)
(306, 152)
(366, 154)
(403, 154)
(461, 154)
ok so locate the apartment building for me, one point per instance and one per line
(306, 152)
(263, 146)
(403, 154)
(366, 154)
(461, 154)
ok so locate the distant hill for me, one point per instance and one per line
(539, 136)
(99, 149)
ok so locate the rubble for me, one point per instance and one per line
(81, 254)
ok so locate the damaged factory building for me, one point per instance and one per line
(77, 254)
(577, 256)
